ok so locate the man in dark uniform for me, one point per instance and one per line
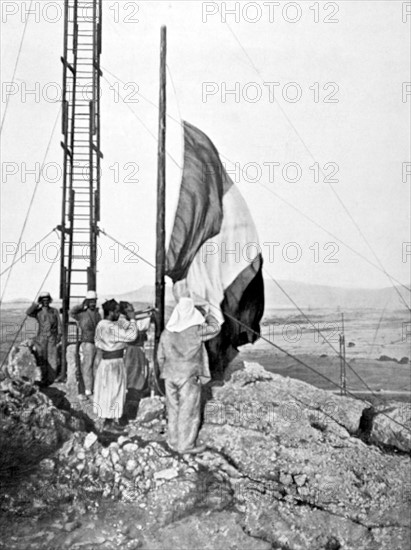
(87, 317)
(49, 332)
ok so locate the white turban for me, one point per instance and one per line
(184, 316)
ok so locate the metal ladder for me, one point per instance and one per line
(81, 148)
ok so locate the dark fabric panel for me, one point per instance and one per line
(243, 301)
(200, 206)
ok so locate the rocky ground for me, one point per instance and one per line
(287, 466)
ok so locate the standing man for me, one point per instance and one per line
(87, 317)
(49, 332)
(183, 362)
(112, 337)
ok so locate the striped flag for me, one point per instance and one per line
(214, 248)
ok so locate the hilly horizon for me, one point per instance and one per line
(305, 295)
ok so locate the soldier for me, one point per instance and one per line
(87, 317)
(49, 332)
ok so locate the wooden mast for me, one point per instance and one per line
(161, 191)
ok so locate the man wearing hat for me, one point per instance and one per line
(49, 331)
(87, 317)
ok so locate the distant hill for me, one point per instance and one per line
(144, 295)
(305, 295)
(322, 296)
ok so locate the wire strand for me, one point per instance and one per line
(24, 320)
(28, 252)
(312, 156)
(31, 202)
(128, 249)
(370, 262)
(15, 66)
(149, 101)
(145, 126)
(311, 368)
(175, 92)
(320, 332)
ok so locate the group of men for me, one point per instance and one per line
(110, 358)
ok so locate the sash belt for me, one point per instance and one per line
(117, 354)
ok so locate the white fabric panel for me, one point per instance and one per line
(174, 174)
(214, 267)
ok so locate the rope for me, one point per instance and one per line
(15, 67)
(144, 97)
(128, 249)
(335, 237)
(320, 332)
(377, 329)
(31, 202)
(310, 368)
(175, 92)
(24, 320)
(28, 252)
(312, 156)
(145, 126)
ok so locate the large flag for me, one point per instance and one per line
(213, 248)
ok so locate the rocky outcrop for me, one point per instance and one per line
(296, 470)
(284, 468)
(31, 427)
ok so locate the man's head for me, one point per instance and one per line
(44, 299)
(91, 300)
(111, 310)
(184, 316)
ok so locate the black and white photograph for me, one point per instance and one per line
(205, 295)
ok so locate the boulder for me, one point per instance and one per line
(150, 408)
(385, 358)
(31, 426)
(22, 364)
(391, 426)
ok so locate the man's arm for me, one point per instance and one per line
(143, 324)
(126, 333)
(210, 328)
(59, 325)
(97, 359)
(161, 357)
(33, 310)
(76, 310)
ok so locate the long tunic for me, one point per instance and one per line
(135, 357)
(110, 381)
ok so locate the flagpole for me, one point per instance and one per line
(161, 191)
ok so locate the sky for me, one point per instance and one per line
(307, 103)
